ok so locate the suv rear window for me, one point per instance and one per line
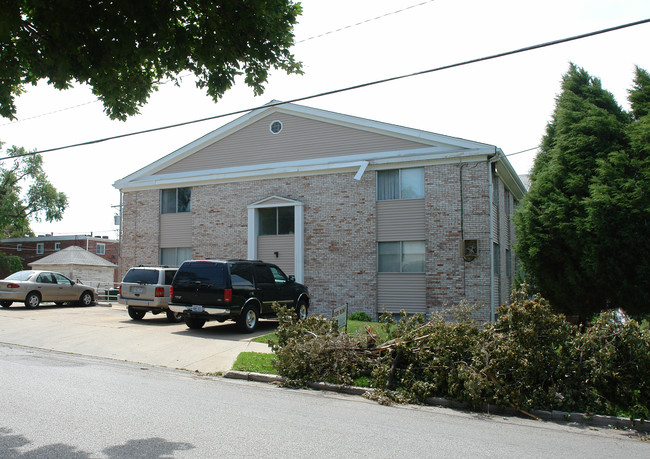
(199, 272)
(141, 276)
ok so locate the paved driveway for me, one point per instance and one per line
(107, 331)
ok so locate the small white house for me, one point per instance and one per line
(79, 264)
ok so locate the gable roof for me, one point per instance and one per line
(72, 255)
(314, 141)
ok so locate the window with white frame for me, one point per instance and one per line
(57, 246)
(175, 256)
(400, 184)
(175, 200)
(100, 249)
(19, 247)
(40, 248)
(401, 257)
(276, 220)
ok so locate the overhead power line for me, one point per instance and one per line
(365, 21)
(349, 88)
(522, 151)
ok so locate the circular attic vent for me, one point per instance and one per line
(276, 127)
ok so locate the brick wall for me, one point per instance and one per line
(139, 230)
(340, 253)
(340, 233)
(450, 278)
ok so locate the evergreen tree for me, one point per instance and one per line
(619, 210)
(557, 244)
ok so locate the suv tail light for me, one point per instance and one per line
(160, 291)
(227, 295)
(171, 291)
(119, 290)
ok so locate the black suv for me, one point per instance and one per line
(240, 290)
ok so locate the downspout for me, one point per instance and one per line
(491, 161)
(119, 239)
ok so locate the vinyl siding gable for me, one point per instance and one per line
(300, 139)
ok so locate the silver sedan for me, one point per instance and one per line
(34, 287)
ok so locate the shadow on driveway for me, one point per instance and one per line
(228, 330)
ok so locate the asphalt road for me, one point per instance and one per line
(107, 331)
(60, 405)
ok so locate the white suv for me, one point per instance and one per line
(146, 289)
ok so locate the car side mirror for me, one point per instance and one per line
(292, 279)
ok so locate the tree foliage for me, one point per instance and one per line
(25, 193)
(123, 48)
(582, 226)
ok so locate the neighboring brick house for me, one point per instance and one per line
(31, 249)
(368, 214)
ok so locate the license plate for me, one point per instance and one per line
(138, 290)
(197, 308)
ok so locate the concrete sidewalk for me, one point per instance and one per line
(107, 331)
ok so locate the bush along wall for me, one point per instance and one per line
(529, 358)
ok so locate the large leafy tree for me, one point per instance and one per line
(583, 225)
(26, 193)
(123, 48)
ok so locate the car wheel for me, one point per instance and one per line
(86, 299)
(6, 303)
(249, 318)
(135, 314)
(174, 317)
(194, 323)
(302, 309)
(32, 300)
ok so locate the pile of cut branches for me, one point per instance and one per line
(530, 358)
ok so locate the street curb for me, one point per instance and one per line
(261, 377)
(595, 420)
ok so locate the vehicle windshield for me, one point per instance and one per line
(141, 276)
(20, 276)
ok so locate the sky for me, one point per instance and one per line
(505, 102)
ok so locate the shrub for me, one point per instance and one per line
(9, 264)
(360, 316)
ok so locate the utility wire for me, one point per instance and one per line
(340, 29)
(49, 113)
(349, 88)
(523, 151)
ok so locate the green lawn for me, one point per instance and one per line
(354, 327)
(257, 362)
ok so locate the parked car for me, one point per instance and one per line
(34, 287)
(146, 289)
(239, 290)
